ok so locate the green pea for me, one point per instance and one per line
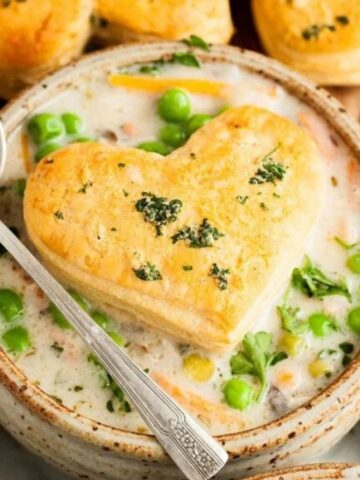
(239, 394)
(174, 105)
(58, 316)
(321, 324)
(353, 320)
(16, 340)
(173, 135)
(197, 121)
(156, 147)
(353, 263)
(11, 305)
(44, 127)
(73, 123)
(101, 319)
(45, 150)
(116, 337)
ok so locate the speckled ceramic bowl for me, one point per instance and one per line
(314, 472)
(87, 449)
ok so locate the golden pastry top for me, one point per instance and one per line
(170, 19)
(255, 176)
(34, 31)
(312, 26)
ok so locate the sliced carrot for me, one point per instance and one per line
(286, 380)
(25, 147)
(208, 412)
(158, 85)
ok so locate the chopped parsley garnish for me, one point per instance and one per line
(242, 199)
(126, 194)
(342, 19)
(85, 187)
(270, 171)
(311, 281)
(197, 42)
(201, 236)
(220, 275)
(327, 352)
(59, 215)
(187, 268)
(121, 165)
(313, 31)
(147, 272)
(110, 384)
(150, 69)
(185, 58)
(58, 348)
(255, 359)
(78, 388)
(110, 406)
(345, 245)
(158, 210)
(263, 206)
(347, 347)
(290, 320)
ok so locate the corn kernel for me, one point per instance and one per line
(198, 368)
(292, 344)
(319, 368)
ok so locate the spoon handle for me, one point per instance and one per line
(194, 451)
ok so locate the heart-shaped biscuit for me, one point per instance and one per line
(196, 243)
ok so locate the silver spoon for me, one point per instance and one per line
(193, 450)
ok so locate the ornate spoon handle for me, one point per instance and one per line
(194, 451)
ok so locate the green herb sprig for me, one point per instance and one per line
(220, 275)
(312, 282)
(255, 359)
(159, 211)
(147, 272)
(201, 236)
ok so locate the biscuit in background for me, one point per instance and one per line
(38, 36)
(319, 38)
(121, 21)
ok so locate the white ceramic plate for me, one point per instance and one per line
(22, 465)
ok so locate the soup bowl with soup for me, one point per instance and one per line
(202, 204)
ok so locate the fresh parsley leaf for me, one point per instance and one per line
(270, 171)
(158, 210)
(327, 352)
(290, 320)
(220, 275)
(255, 359)
(185, 58)
(197, 42)
(150, 69)
(204, 235)
(147, 272)
(311, 281)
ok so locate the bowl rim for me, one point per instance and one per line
(284, 473)
(143, 445)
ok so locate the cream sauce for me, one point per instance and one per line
(128, 118)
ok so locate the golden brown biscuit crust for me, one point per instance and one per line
(99, 237)
(37, 36)
(320, 38)
(141, 20)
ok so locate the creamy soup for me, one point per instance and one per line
(312, 344)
